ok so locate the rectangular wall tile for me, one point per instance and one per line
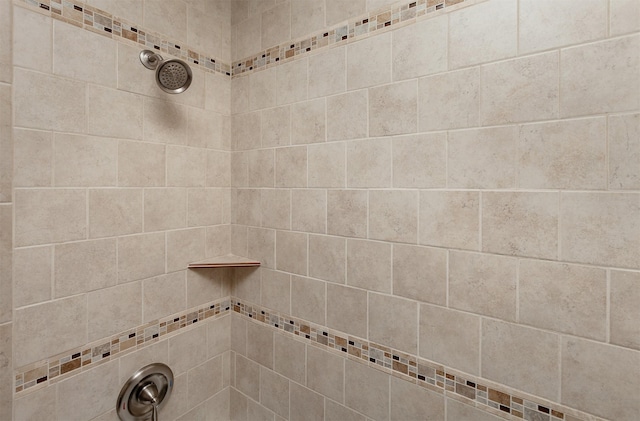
(124, 300)
(369, 265)
(141, 164)
(420, 273)
(6, 253)
(393, 322)
(347, 309)
(163, 296)
(32, 275)
(325, 373)
(624, 152)
(115, 212)
(369, 163)
(327, 72)
(412, 56)
(367, 390)
(326, 165)
(308, 122)
(32, 158)
(450, 219)
(80, 161)
(101, 114)
(625, 298)
(73, 261)
(347, 115)
(369, 62)
(141, 256)
(327, 258)
(393, 109)
(420, 161)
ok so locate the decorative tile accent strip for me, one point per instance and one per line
(341, 34)
(411, 368)
(95, 20)
(88, 356)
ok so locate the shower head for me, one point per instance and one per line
(172, 76)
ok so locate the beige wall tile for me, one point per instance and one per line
(163, 296)
(450, 337)
(482, 158)
(521, 357)
(276, 126)
(291, 167)
(291, 79)
(307, 16)
(6, 251)
(247, 207)
(205, 207)
(218, 172)
(393, 109)
(141, 256)
(367, 390)
(32, 40)
(274, 392)
(347, 115)
(130, 363)
(523, 89)
(238, 338)
(239, 164)
(459, 411)
(123, 301)
(340, 10)
(369, 61)
(305, 404)
(393, 322)
(218, 240)
(567, 22)
(245, 131)
(308, 122)
(347, 212)
(254, 411)
(32, 275)
(337, 412)
(49, 216)
(325, 373)
(262, 89)
(625, 306)
(115, 212)
(291, 252)
(600, 228)
(218, 93)
(82, 55)
(260, 344)
(289, 358)
(94, 390)
(327, 72)
(81, 161)
(308, 298)
(6, 50)
(6, 144)
(393, 215)
(613, 388)
(141, 164)
(411, 402)
(309, 210)
(420, 273)
(188, 350)
(186, 167)
(369, 163)
(275, 291)
(121, 8)
(66, 320)
(457, 95)
(624, 152)
(326, 165)
(101, 113)
(262, 246)
(521, 224)
(248, 37)
(48, 102)
(450, 219)
(327, 258)
(412, 57)
(32, 158)
(218, 337)
(347, 309)
(276, 208)
(276, 25)
(483, 33)
(183, 247)
(205, 129)
(73, 261)
(369, 265)
(483, 284)
(165, 122)
(567, 155)
(597, 78)
(205, 285)
(166, 18)
(624, 16)
(420, 161)
(38, 404)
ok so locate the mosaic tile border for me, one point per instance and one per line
(413, 369)
(360, 27)
(98, 21)
(88, 356)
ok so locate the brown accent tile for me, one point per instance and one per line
(341, 342)
(70, 366)
(35, 374)
(517, 413)
(517, 400)
(402, 368)
(499, 397)
(466, 391)
(557, 414)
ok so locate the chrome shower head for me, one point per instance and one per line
(172, 76)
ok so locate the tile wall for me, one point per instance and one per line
(464, 189)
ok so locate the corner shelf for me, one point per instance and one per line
(227, 261)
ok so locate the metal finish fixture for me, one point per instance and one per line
(145, 393)
(172, 76)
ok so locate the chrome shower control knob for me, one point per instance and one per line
(145, 393)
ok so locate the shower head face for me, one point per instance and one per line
(173, 76)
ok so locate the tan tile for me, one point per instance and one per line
(49, 216)
(218, 169)
(206, 206)
(337, 412)
(624, 16)
(240, 98)
(183, 247)
(597, 78)
(141, 164)
(291, 167)
(101, 113)
(624, 152)
(262, 246)
(275, 205)
(393, 322)
(474, 38)
(115, 212)
(245, 131)
(205, 381)
(170, 19)
(188, 349)
(564, 155)
(327, 258)
(450, 337)
(247, 207)
(260, 344)
(483, 284)
(276, 126)
(347, 115)
(368, 61)
(308, 298)
(338, 10)
(73, 261)
(347, 309)
(393, 216)
(306, 17)
(261, 167)
(369, 163)
(6, 252)
(32, 158)
(32, 275)
(274, 392)
(141, 256)
(32, 37)
(291, 252)
(125, 301)
(165, 209)
(409, 401)
(450, 219)
(218, 240)
(600, 228)
(308, 122)
(521, 357)
(205, 285)
(276, 25)
(414, 58)
(165, 122)
(35, 405)
(327, 72)
(459, 411)
(367, 390)
(6, 52)
(326, 165)
(393, 109)
(369, 265)
(289, 357)
(218, 337)
(163, 296)
(6, 144)
(275, 291)
(325, 373)
(625, 306)
(420, 273)
(306, 404)
(205, 129)
(546, 288)
(291, 79)
(186, 167)
(587, 363)
(262, 89)
(521, 224)
(309, 210)
(420, 161)
(218, 93)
